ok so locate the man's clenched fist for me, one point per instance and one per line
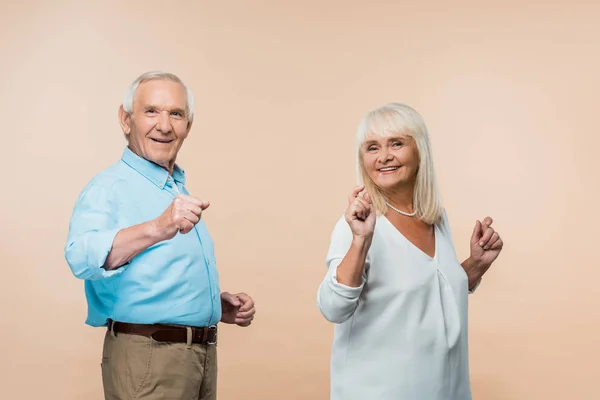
(181, 216)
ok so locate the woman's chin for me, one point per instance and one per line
(387, 184)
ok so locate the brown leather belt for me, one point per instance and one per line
(167, 333)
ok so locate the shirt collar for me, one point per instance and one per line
(151, 171)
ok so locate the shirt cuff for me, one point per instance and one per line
(97, 256)
(344, 290)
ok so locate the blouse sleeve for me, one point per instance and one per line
(337, 302)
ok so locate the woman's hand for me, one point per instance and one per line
(486, 244)
(360, 214)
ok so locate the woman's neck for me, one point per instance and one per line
(401, 198)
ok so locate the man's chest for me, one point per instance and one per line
(143, 204)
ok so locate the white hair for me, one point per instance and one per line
(399, 119)
(157, 75)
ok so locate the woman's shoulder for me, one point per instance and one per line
(443, 222)
(443, 219)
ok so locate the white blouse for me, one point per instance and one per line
(402, 334)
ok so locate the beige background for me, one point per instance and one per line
(510, 96)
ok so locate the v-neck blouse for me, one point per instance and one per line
(402, 334)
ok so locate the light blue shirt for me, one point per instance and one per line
(172, 282)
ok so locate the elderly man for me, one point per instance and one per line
(138, 239)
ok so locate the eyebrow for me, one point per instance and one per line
(179, 110)
(389, 139)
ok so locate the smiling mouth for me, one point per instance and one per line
(164, 141)
(387, 169)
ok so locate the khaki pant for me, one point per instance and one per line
(138, 367)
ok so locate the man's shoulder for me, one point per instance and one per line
(111, 179)
(111, 175)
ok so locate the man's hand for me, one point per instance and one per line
(181, 216)
(237, 309)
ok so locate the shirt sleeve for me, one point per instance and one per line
(92, 230)
(337, 302)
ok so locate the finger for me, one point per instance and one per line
(367, 198)
(197, 210)
(492, 240)
(477, 232)
(247, 302)
(231, 299)
(355, 193)
(498, 244)
(185, 198)
(193, 200)
(190, 216)
(201, 204)
(185, 226)
(487, 221)
(245, 314)
(244, 322)
(359, 210)
(363, 215)
(183, 202)
(487, 235)
(363, 201)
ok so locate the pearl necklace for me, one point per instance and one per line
(412, 214)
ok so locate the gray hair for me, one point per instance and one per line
(400, 119)
(154, 75)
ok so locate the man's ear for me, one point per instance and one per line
(124, 120)
(189, 126)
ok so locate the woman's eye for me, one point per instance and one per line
(371, 148)
(396, 144)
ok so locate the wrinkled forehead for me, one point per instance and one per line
(162, 91)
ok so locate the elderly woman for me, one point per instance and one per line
(394, 288)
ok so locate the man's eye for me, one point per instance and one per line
(151, 111)
(371, 148)
(396, 144)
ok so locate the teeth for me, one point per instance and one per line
(388, 169)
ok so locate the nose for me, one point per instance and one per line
(163, 124)
(385, 154)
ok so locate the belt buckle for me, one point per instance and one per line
(212, 328)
